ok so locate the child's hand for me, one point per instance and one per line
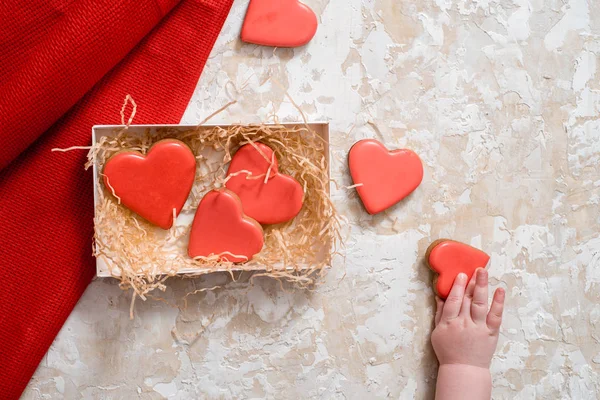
(465, 333)
(465, 338)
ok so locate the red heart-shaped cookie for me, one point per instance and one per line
(153, 185)
(449, 258)
(278, 200)
(279, 23)
(221, 228)
(384, 177)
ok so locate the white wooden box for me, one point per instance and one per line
(103, 269)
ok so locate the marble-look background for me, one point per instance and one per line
(501, 98)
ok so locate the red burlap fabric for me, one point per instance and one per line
(66, 65)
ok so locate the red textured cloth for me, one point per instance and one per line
(80, 57)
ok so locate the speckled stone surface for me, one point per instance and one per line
(501, 100)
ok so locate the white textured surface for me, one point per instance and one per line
(501, 99)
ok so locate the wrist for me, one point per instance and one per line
(463, 381)
(477, 369)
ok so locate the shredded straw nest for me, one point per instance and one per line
(143, 256)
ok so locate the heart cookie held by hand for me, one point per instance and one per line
(449, 258)
(279, 23)
(153, 185)
(221, 228)
(383, 177)
(271, 199)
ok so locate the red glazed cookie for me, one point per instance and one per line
(385, 177)
(221, 228)
(278, 200)
(449, 258)
(153, 185)
(279, 23)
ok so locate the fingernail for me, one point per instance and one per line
(481, 274)
(461, 277)
(501, 294)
